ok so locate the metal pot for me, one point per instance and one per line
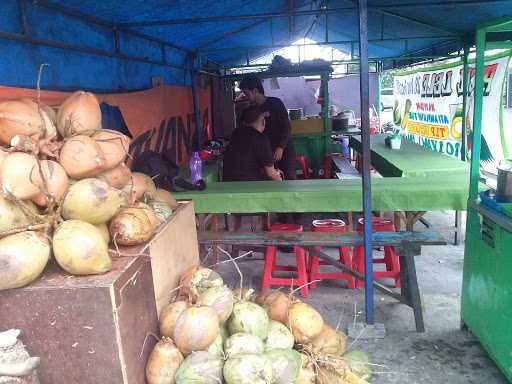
(504, 188)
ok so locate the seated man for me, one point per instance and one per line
(248, 156)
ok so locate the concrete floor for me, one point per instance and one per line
(443, 354)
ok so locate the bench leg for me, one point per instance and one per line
(458, 227)
(410, 289)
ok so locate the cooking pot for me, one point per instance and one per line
(504, 188)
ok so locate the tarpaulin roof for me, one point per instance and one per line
(121, 44)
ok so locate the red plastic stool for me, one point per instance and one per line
(327, 166)
(270, 263)
(337, 226)
(390, 258)
(303, 165)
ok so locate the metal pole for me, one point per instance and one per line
(325, 110)
(195, 100)
(464, 101)
(364, 80)
(378, 90)
(477, 114)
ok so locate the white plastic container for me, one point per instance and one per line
(395, 143)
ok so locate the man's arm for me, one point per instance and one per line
(284, 129)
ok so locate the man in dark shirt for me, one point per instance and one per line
(278, 128)
(248, 156)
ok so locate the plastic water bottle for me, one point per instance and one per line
(345, 150)
(196, 167)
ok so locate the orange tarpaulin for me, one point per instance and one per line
(160, 118)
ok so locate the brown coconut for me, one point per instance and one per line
(169, 316)
(17, 117)
(196, 329)
(79, 112)
(117, 177)
(82, 157)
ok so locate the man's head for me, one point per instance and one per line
(253, 117)
(252, 88)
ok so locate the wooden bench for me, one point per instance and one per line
(346, 171)
(408, 245)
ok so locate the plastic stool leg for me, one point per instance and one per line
(314, 265)
(270, 256)
(346, 259)
(302, 276)
(358, 264)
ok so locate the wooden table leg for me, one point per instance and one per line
(458, 227)
(409, 282)
(398, 220)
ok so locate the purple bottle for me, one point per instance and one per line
(345, 150)
(196, 167)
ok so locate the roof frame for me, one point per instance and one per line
(104, 23)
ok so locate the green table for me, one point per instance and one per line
(415, 162)
(410, 160)
(329, 195)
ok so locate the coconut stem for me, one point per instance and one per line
(237, 268)
(302, 286)
(23, 228)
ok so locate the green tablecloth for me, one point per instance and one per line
(410, 160)
(329, 195)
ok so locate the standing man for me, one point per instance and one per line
(277, 125)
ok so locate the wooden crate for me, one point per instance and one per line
(87, 329)
(97, 329)
(172, 250)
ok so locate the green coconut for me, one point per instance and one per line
(220, 299)
(286, 365)
(359, 363)
(11, 215)
(23, 257)
(200, 367)
(104, 231)
(243, 343)
(224, 333)
(217, 347)
(279, 336)
(248, 369)
(80, 248)
(250, 318)
(92, 200)
(162, 210)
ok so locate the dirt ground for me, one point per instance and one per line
(443, 354)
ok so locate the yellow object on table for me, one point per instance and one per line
(307, 126)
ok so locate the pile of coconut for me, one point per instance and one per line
(211, 334)
(66, 190)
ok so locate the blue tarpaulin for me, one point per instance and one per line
(121, 45)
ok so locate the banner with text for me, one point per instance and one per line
(428, 108)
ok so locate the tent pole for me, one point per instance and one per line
(464, 101)
(195, 101)
(364, 80)
(324, 86)
(378, 90)
(477, 114)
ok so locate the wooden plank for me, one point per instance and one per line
(318, 238)
(172, 249)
